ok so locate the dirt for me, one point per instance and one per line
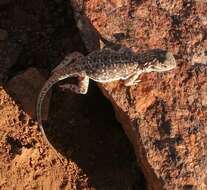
(83, 128)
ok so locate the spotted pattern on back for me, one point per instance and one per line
(109, 65)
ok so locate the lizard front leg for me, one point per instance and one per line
(81, 88)
(133, 79)
(73, 57)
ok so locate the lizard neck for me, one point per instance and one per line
(144, 59)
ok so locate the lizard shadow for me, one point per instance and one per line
(87, 132)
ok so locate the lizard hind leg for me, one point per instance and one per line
(68, 59)
(81, 88)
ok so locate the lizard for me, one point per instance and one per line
(103, 66)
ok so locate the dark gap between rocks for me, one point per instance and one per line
(84, 128)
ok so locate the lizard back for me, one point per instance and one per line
(108, 65)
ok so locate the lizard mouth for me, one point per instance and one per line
(168, 64)
(161, 68)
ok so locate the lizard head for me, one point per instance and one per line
(166, 62)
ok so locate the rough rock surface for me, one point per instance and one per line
(164, 116)
(25, 162)
(25, 87)
(165, 119)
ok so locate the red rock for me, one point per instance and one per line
(164, 116)
(25, 88)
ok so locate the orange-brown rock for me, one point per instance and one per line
(165, 118)
(25, 87)
(165, 115)
(24, 162)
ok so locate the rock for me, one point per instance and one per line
(166, 124)
(87, 32)
(3, 38)
(200, 57)
(4, 2)
(23, 154)
(58, 1)
(203, 20)
(172, 7)
(3, 35)
(25, 88)
(164, 116)
(9, 53)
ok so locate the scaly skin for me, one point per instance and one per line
(102, 66)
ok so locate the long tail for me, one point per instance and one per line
(50, 82)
